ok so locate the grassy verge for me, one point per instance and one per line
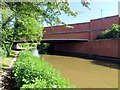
(5, 61)
(31, 72)
(4, 64)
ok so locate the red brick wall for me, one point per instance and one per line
(79, 26)
(104, 23)
(92, 25)
(83, 35)
(119, 20)
(108, 48)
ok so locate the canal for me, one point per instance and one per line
(85, 73)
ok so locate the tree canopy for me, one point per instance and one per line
(25, 20)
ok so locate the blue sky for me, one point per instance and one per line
(109, 8)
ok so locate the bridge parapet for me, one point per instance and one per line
(88, 30)
(78, 34)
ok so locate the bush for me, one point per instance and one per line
(30, 72)
(2, 53)
(113, 33)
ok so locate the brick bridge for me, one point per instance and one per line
(81, 39)
(81, 31)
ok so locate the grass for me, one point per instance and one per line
(5, 61)
(4, 64)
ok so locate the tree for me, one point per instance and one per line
(25, 20)
(17, 24)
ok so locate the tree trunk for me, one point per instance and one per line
(8, 50)
(8, 53)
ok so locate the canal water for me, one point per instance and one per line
(85, 73)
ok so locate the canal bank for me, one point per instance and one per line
(85, 73)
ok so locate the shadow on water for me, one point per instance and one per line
(84, 72)
(98, 60)
(107, 64)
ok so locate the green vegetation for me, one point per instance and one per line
(4, 64)
(2, 53)
(30, 72)
(25, 20)
(27, 45)
(43, 47)
(113, 33)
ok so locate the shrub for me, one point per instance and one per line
(30, 72)
(2, 53)
(113, 33)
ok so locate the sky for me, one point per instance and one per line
(106, 7)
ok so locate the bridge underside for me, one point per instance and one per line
(63, 40)
(54, 41)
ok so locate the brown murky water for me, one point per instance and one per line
(84, 73)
